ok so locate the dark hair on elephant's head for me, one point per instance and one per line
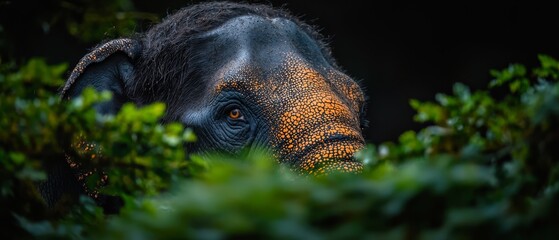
(240, 75)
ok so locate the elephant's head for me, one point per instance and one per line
(240, 76)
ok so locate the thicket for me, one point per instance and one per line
(486, 166)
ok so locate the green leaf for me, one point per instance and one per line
(189, 135)
(549, 68)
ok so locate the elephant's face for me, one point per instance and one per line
(259, 79)
(272, 86)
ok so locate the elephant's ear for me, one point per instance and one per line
(110, 66)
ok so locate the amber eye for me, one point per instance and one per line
(235, 114)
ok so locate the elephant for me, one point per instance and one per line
(240, 75)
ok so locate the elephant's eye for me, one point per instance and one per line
(235, 114)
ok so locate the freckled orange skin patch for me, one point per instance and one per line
(313, 117)
(88, 151)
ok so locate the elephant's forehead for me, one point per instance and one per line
(257, 47)
(291, 77)
(293, 83)
(272, 55)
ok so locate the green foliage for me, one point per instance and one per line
(142, 156)
(485, 167)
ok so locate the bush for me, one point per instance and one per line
(485, 167)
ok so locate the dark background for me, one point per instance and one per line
(399, 51)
